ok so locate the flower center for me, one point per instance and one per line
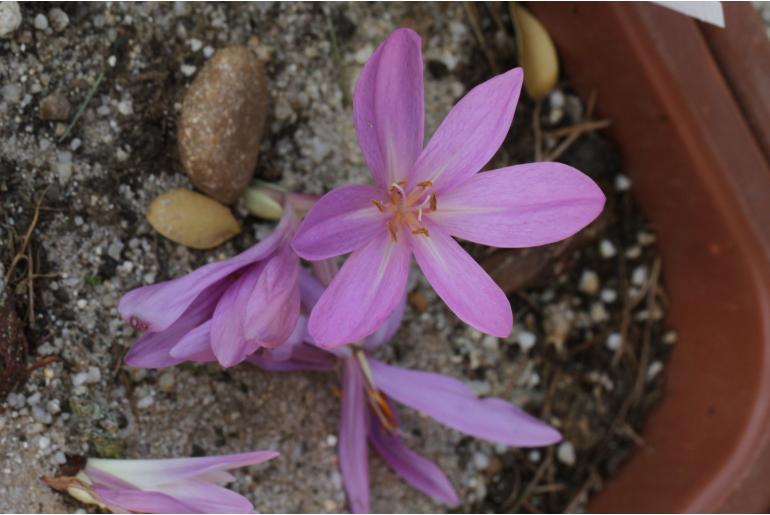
(408, 209)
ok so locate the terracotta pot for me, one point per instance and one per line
(692, 124)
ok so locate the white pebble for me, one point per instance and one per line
(195, 44)
(187, 70)
(41, 22)
(331, 440)
(80, 378)
(622, 183)
(75, 144)
(59, 19)
(125, 107)
(480, 461)
(208, 52)
(526, 340)
(112, 61)
(565, 453)
(589, 282)
(53, 406)
(43, 442)
(607, 249)
(645, 238)
(10, 18)
(94, 375)
(614, 341)
(608, 295)
(145, 402)
(534, 456)
(491, 343)
(654, 369)
(82, 303)
(670, 338)
(639, 276)
(59, 458)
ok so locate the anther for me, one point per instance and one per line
(378, 205)
(392, 230)
(433, 201)
(396, 187)
(422, 231)
(425, 184)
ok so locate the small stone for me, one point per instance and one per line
(654, 369)
(75, 144)
(41, 22)
(598, 313)
(114, 250)
(633, 252)
(121, 155)
(208, 52)
(534, 456)
(670, 338)
(43, 442)
(126, 107)
(331, 440)
(10, 18)
(82, 303)
(192, 219)
(526, 340)
(589, 282)
(222, 123)
(645, 238)
(94, 375)
(614, 341)
(166, 381)
(491, 343)
(639, 276)
(112, 61)
(480, 460)
(33, 399)
(608, 296)
(60, 458)
(54, 107)
(188, 70)
(195, 44)
(622, 183)
(80, 378)
(41, 415)
(145, 402)
(64, 166)
(11, 93)
(53, 406)
(58, 19)
(16, 400)
(565, 453)
(607, 249)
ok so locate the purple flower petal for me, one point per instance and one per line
(417, 470)
(520, 206)
(386, 331)
(452, 403)
(141, 501)
(155, 350)
(310, 289)
(344, 220)
(465, 287)
(353, 450)
(364, 293)
(195, 345)
(273, 306)
(207, 497)
(470, 134)
(388, 107)
(228, 339)
(304, 358)
(157, 306)
(148, 473)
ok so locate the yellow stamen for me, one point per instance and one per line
(392, 230)
(378, 205)
(425, 184)
(433, 201)
(421, 231)
(402, 182)
(382, 409)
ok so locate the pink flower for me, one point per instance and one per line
(182, 485)
(222, 311)
(423, 197)
(369, 418)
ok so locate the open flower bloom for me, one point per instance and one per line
(222, 311)
(182, 485)
(368, 416)
(423, 197)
